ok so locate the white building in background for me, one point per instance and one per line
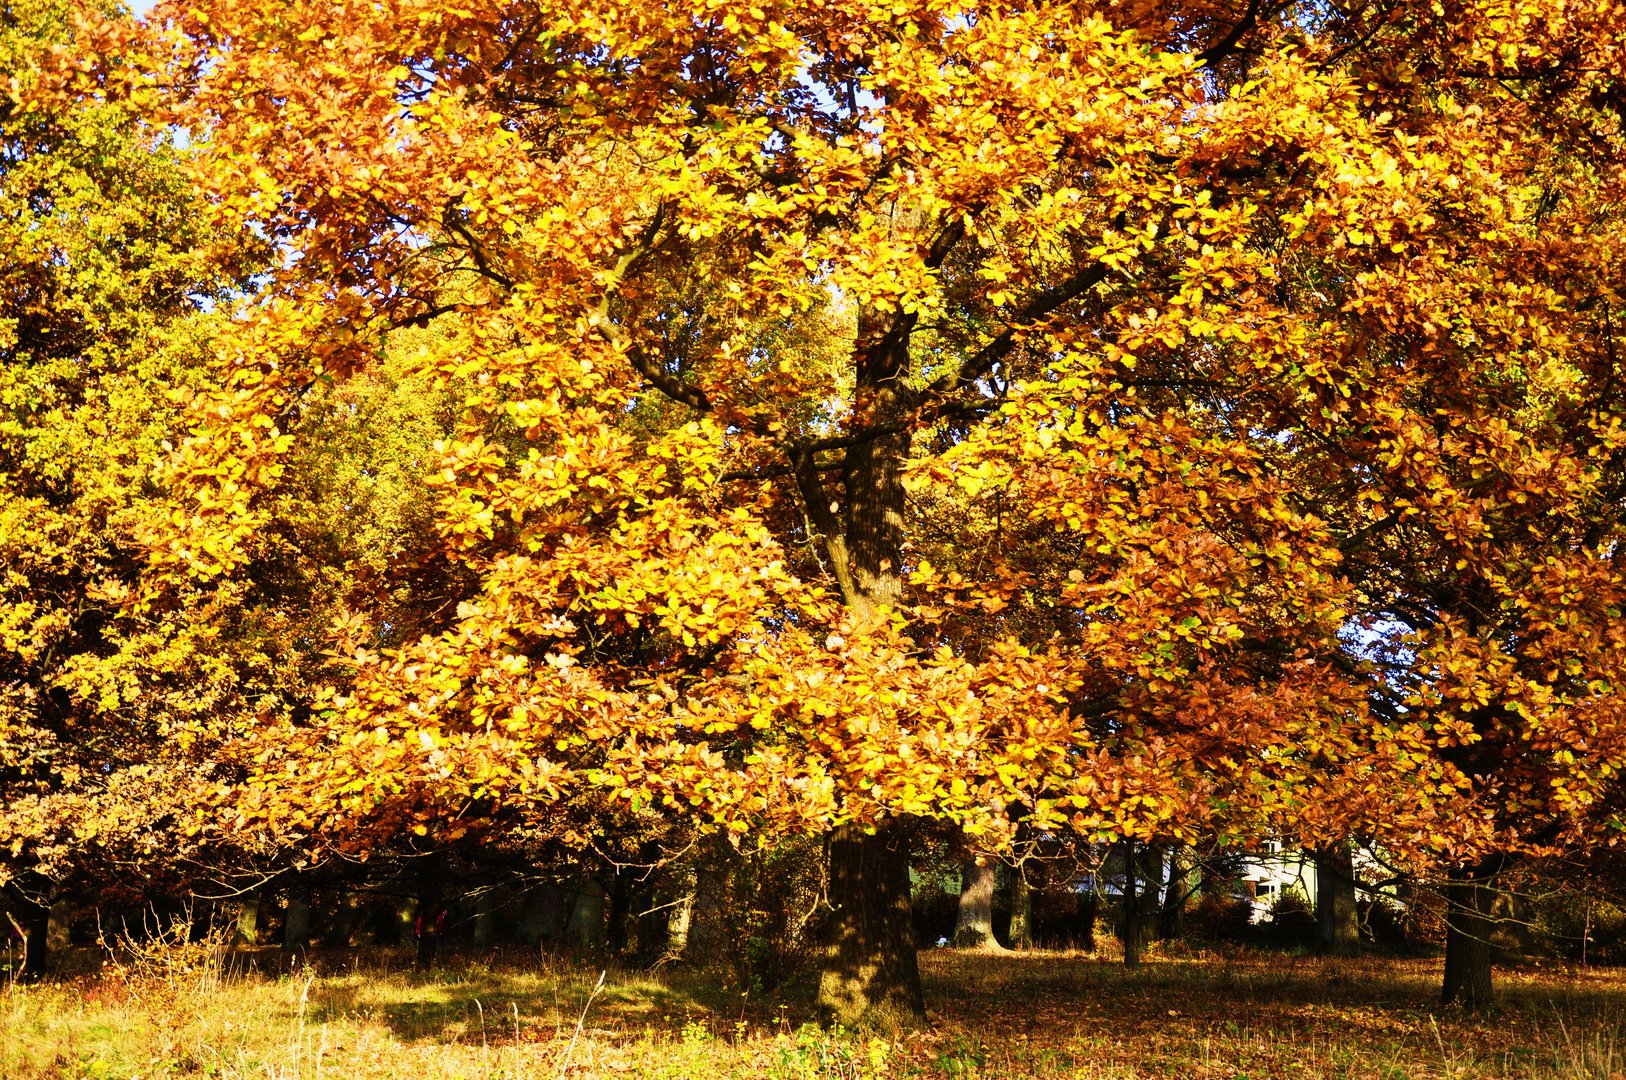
(1272, 872)
(1261, 876)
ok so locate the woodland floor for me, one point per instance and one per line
(1245, 1015)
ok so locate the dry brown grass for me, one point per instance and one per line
(1017, 1015)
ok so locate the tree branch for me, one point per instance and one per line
(1227, 44)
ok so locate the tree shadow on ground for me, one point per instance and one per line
(474, 1003)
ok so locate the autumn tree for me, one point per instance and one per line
(991, 413)
(105, 272)
(1476, 468)
(124, 707)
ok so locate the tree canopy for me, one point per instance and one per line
(1152, 420)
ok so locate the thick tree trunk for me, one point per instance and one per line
(542, 915)
(248, 921)
(1336, 918)
(1171, 917)
(974, 926)
(870, 973)
(1021, 911)
(871, 977)
(1467, 944)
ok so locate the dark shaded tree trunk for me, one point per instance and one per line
(37, 936)
(974, 925)
(645, 927)
(709, 934)
(27, 931)
(1130, 908)
(542, 915)
(1021, 911)
(296, 922)
(486, 918)
(1336, 918)
(871, 976)
(1468, 925)
(619, 934)
(1089, 908)
(585, 928)
(431, 918)
(346, 919)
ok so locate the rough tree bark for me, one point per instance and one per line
(1468, 925)
(871, 977)
(1336, 917)
(247, 931)
(1171, 918)
(974, 925)
(871, 974)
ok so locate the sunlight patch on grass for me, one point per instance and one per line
(1034, 1015)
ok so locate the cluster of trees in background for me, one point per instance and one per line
(516, 430)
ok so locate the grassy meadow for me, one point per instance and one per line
(1242, 1015)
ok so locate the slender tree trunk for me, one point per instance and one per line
(485, 918)
(1021, 911)
(871, 976)
(1131, 906)
(1336, 918)
(618, 936)
(37, 941)
(427, 922)
(1089, 907)
(974, 926)
(296, 922)
(1467, 943)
